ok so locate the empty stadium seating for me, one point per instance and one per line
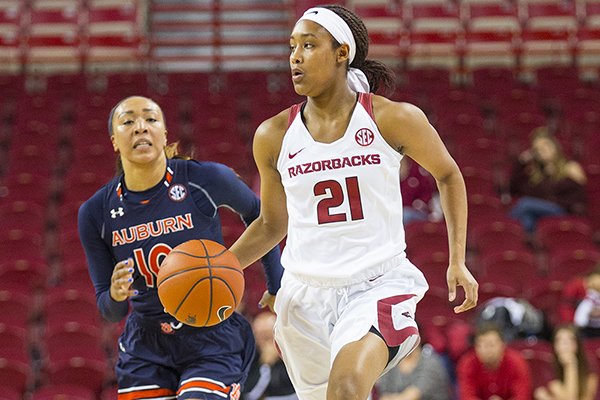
(491, 235)
(15, 371)
(513, 268)
(62, 391)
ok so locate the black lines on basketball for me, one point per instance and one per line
(200, 283)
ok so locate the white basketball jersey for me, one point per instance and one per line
(343, 200)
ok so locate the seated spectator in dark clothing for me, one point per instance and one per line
(268, 378)
(580, 303)
(575, 380)
(545, 182)
(492, 371)
(516, 318)
(420, 375)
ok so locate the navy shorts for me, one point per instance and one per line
(158, 361)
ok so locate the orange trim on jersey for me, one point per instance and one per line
(144, 201)
(146, 394)
(204, 385)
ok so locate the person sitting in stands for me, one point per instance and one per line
(545, 182)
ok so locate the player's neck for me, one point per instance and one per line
(140, 177)
(335, 103)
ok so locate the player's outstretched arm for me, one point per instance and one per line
(270, 227)
(407, 129)
(99, 259)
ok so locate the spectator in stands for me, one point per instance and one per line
(580, 303)
(421, 375)
(492, 371)
(420, 201)
(268, 378)
(545, 182)
(575, 380)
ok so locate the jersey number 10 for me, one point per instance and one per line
(336, 198)
(149, 269)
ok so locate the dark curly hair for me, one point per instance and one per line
(380, 76)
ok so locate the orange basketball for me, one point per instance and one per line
(200, 283)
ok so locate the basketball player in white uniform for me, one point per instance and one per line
(329, 172)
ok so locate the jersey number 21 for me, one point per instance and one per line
(337, 197)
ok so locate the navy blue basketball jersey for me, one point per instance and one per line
(116, 223)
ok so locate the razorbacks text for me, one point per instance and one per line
(334, 163)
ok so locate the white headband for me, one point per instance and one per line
(339, 29)
(334, 24)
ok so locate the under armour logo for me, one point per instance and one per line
(117, 213)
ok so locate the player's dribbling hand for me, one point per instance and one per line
(120, 282)
(267, 300)
(459, 275)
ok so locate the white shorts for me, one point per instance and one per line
(314, 323)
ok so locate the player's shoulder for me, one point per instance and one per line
(207, 167)
(398, 117)
(269, 135)
(386, 108)
(95, 204)
(207, 172)
(275, 126)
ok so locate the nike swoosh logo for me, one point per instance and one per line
(292, 155)
(312, 12)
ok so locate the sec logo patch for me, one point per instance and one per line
(177, 193)
(364, 137)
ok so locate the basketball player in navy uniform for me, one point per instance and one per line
(156, 202)
(329, 170)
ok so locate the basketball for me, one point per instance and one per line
(200, 283)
